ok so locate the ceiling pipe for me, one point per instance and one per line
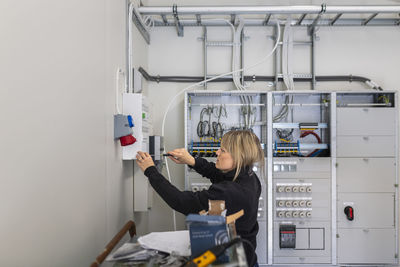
(236, 10)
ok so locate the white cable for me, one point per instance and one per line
(372, 84)
(285, 72)
(202, 82)
(236, 54)
(287, 55)
(290, 53)
(119, 71)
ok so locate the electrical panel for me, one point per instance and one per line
(210, 115)
(301, 176)
(330, 180)
(137, 107)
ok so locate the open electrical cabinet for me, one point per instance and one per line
(326, 153)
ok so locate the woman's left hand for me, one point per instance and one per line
(144, 160)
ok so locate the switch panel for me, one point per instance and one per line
(287, 236)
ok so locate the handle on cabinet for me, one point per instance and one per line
(349, 211)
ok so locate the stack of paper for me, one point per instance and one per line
(131, 252)
(176, 242)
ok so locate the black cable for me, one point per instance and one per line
(203, 129)
(199, 129)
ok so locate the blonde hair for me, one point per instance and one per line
(245, 149)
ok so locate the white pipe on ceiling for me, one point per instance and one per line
(225, 10)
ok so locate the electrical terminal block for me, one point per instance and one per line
(204, 149)
(282, 149)
(308, 126)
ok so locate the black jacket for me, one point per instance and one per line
(243, 193)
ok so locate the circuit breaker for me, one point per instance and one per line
(330, 185)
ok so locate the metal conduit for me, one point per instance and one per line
(257, 78)
(228, 10)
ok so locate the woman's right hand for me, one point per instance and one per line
(181, 156)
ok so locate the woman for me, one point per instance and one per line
(232, 178)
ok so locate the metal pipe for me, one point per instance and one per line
(306, 22)
(242, 55)
(127, 43)
(313, 82)
(362, 9)
(277, 59)
(228, 10)
(130, 67)
(255, 78)
(205, 56)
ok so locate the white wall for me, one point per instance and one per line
(64, 190)
(370, 52)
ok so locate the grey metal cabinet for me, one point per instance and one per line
(366, 246)
(366, 176)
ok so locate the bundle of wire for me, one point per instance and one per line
(211, 79)
(316, 151)
(287, 70)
